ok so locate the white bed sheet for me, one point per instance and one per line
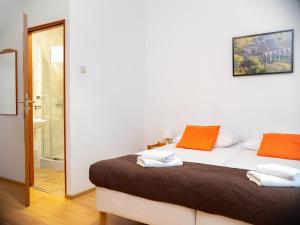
(218, 157)
(236, 156)
(248, 159)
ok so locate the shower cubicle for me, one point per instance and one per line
(48, 95)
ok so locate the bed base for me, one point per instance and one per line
(153, 212)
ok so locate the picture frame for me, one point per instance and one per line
(263, 54)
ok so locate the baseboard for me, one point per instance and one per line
(80, 193)
(12, 181)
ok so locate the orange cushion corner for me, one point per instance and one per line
(286, 146)
(199, 137)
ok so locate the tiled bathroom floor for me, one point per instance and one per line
(49, 180)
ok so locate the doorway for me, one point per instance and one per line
(46, 63)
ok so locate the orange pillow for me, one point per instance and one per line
(286, 146)
(199, 137)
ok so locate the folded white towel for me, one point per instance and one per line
(279, 171)
(164, 156)
(271, 181)
(156, 163)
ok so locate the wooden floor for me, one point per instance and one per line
(51, 180)
(49, 209)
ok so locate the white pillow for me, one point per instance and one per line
(253, 143)
(226, 138)
(176, 139)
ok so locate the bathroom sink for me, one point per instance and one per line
(39, 123)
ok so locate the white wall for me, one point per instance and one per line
(45, 11)
(162, 62)
(105, 116)
(106, 103)
(12, 154)
(189, 67)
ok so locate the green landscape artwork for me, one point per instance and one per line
(268, 53)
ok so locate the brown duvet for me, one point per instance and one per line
(212, 189)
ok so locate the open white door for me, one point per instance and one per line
(27, 109)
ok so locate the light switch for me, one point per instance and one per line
(82, 69)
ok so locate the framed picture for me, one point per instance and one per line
(268, 53)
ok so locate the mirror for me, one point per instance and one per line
(8, 82)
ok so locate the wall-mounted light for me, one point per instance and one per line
(57, 54)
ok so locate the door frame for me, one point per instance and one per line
(32, 30)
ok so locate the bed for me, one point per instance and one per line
(149, 210)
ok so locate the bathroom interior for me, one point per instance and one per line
(47, 56)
